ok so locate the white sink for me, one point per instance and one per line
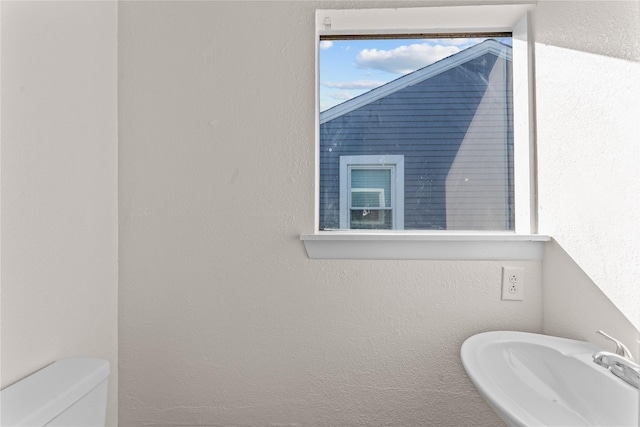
(539, 380)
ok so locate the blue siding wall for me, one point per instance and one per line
(426, 123)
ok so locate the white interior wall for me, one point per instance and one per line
(588, 102)
(223, 318)
(59, 186)
(574, 307)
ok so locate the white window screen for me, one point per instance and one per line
(445, 105)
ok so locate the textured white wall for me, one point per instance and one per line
(574, 307)
(59, 186)
(223, 318)
(588, 104)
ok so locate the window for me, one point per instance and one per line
(460, 124)
(372, 192)
(444, 105)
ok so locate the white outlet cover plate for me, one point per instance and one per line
(512, 283)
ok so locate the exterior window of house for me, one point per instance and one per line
(372, 192)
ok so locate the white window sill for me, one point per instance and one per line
(424, 245)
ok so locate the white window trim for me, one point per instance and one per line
(446, 245)
(396, 164)
(521, 244)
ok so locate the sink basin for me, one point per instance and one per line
(539, 380)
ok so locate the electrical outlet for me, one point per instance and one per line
(512, 283)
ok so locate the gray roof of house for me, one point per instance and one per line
(488, 46)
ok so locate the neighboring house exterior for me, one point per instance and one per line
(431, 150)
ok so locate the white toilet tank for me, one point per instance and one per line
(68, 393)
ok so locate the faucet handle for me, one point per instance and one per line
(621, 349)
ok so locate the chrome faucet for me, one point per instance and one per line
(619, 366)
(620, 363)
(621, 349)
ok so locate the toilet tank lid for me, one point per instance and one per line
(40, 397)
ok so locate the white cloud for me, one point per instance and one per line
(357, 84)
(404, 59)
(325, 44)
(340, 95)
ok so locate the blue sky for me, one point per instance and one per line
(349, 68)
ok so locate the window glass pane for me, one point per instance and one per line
(367, 198)
(371, 188)
(371, 219)
(444, 104)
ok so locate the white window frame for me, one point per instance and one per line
(520, 244)
(395, 163)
